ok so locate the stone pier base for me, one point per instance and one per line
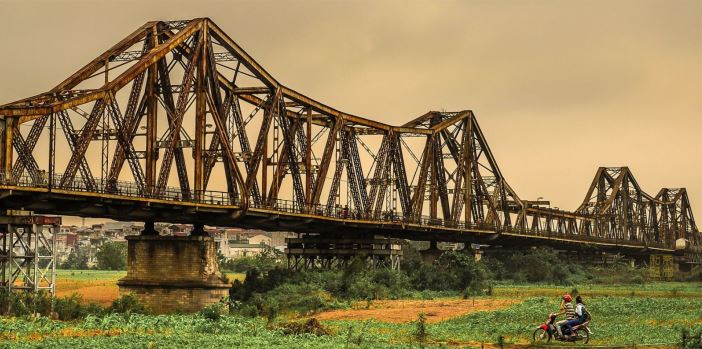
(173, 274)
(432, 253)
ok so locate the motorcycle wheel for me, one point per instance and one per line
(541, 336)
(584, 336)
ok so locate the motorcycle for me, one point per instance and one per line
(547, 331)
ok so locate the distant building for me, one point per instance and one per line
(179, 229)
(66, 242)
(232, 244)
(260, 239)
(278, 238)
(242, 248)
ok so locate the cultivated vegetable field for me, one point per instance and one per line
(653, 315)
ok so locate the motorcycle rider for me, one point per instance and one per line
(568, 310)
(582, 315)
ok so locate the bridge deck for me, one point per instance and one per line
(216, 209)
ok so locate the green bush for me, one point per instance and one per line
(691, 338)
(311, 326)
(112, 256)
(453, 270)
(213, 312)
(41, 303)
(285, 291)
(546, 265)
(72, 308)
(286, 298)
(694, 275)
(420, 330)
(77, 259)
(268, 260)
(127, 304)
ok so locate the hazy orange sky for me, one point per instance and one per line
(559, 87)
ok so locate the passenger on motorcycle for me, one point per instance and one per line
(581, 313)
(568, 310)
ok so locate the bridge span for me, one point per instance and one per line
(177, 123)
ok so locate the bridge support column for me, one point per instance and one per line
(28, 252)
(173, 273)
(198, 230)
(432, 253)
(149, 229)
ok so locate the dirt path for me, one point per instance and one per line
(399, 311)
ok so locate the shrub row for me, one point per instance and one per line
(63, 308)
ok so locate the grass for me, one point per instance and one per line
(169, 331)
(104, 275)
(652, 289)
(616, 321)
(89, 275)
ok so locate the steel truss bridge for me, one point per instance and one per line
(178, 123)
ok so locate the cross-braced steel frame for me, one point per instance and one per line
(28, 253)
(177, 122)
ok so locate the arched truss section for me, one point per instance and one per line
(178, 112)
(624, 211)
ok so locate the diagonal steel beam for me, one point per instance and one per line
(124, 138)
(175, 125)
(71, 138)
(30, 143)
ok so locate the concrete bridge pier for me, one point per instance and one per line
(432, 253)
(173, 273)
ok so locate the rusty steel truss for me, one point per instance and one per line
(177, 123)
(28, 252)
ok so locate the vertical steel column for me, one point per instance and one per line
(433, 184)
(35, 245)
(468, 171)
(52, 149)
(105, 135)
(4, 257)
(151, 122)
(308, 162)
(10, 257)
(7, 152)
(264, 159)
(200, 117)
(54, 233)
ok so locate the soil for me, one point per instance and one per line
(103, 293)
(400, 311)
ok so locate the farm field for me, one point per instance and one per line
(651, 314)
(96, 286)
(100, 286)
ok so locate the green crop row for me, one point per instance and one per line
(616, 321)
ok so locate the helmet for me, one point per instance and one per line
(567, 298)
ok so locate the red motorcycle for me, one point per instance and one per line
(547, 331)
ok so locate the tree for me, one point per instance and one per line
(112, 256)
(77, 259)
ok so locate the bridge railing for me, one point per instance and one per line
(123, 188)
(130, 189)
(384, 217)
(581, 236)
